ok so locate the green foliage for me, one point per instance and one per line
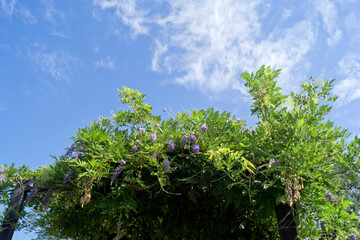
(226, 190)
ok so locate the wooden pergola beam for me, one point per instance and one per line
(13, 211)
(286, 222)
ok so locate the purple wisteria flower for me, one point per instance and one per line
(243, 128)
(68, 175)
(2, 169)
(171, 144)
(153, 155)
(195, 148)
(134, 148)
(192, 137)
(118, 229)
(272, 162)
(239, 120)
(153, 137)
(330, 197)
(31, 194)
(31, 184)
(69, 151)
(352, 237)
(80, 149)
(167, 165)
(185, 141)
(118, 170)
(138, 142)
(203, 127)
(46, 197)
(2, 177)
(149, 122)
(79, 152)
(157, 125)
(118, 226)
(141, 130)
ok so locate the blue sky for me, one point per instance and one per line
(62, 61)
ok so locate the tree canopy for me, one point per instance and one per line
(200, 174)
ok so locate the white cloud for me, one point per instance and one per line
(328, 12)
(286, 13)
(59, 34)
(352, 26)
(105, 63)
(348, 89)
(51, 13)
(159, 50)
(8, 6)
(26, 16)
(2, 107)
(126, 10)
(95, 14)
(57, 64)
(209, 43)
(12, 8)
(351, 22)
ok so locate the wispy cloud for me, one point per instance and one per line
(105, 63)
(286, 13)
(56, 65)
(328, 12)
(128, 12)
(96, 15)
(51, 13)
(26, 16)
(209, 43)
(348, 89)
(2, 107)
(61, 35)
(12, 8)
(8, 6)
(352, 26)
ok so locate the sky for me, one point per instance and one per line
(61, 62)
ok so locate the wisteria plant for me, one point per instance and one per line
(200, 174)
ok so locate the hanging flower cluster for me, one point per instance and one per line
(118, 170)
(195, 148)
(79, 152)
(167, 165)
(68, 175)
(46, 198)
(153, 137)
(134, 148)
(352, 237)
(32, 192)
(330, 197)
(192, 137)
(273, 162)
(203, 127)
(171, 145)
(2, 176)
(70, 151)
